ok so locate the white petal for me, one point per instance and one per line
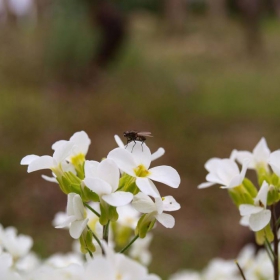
(262, 195)
(119, 141)
(141, 153)
(166, 175)
(124, 160)
(157, 154)
(100, 269)
(159, 204)
(129, 269)
(118, 198)
(82, 141)
(274, 162)
(214, 179)
(143, 203)
(248, 209)
(58, 144)
(49, 179)
(261, 152)
(43, 162)
(244, 221)
(205, 185)
(91, 168)
(70, 204)
(63, 151)
(66, 222)
(227, 170)
(212, 164)
(260, 220)
(170, 204)
(78, 207)
(237, 180)
(166, 220)
(100, 187)
(109, 172)
(28, 159)
(77, 228)
(242, 155)
(147, 187)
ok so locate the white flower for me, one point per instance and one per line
(274, 162)
(258, 158)
(6, 271)
(137, 163)
(128, 216)
(116, 266)
(258, 215)
(186, 275)
(64, 260)
(219, 269)
(157, 154)
(27, 263)
(140, 250)
(80, 142)
(246, 256)
(76, 219)
(104, 181)
(144, 204)
(224, 172)
(17, 245)
(57, 163)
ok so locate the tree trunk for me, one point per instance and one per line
(175, 13)
(251, 11)
(217, 8)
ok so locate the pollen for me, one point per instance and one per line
(141, 171)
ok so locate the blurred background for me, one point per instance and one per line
(202, 75)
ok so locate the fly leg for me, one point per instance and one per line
(133, 145)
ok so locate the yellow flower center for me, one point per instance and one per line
(141, 171)
(77, 159)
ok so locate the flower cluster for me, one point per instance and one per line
(251, 200)
(17, 262)
(256, 266)
(256, 204)
(107, 200)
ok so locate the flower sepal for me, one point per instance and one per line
(145, 224)
(86, 244)
(250, 187)
(263, 174)
(127, 184)
(68, 183)
(240, 195)
(273, 195)
(88, 195)
(263, 234)
(108, 213)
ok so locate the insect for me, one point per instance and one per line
(133, 135)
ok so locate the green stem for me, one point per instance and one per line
(97, 240)
(106, 232)
(275, 242)
(240, 270)
(130, 243)
(267, 243)
(92, 210)
(269, 254)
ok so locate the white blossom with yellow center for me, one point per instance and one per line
(135, 160)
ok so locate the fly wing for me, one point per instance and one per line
(144, 133)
